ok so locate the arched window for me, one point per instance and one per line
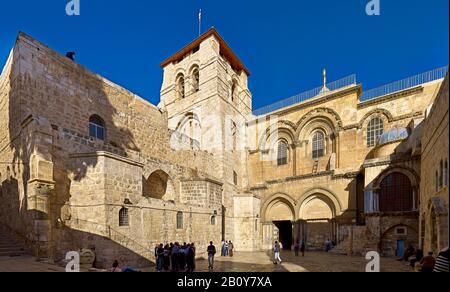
(234, 92)
(97, 127)
(196, 79)
(180, 86)
(318, 145)
(396, 193)
(124, 220)
(213, 220)
(374, 131)
(180, 220)
(282, 153)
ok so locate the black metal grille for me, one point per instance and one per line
(396, 193)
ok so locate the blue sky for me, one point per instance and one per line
(285, 44)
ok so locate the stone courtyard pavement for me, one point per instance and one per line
(312, 262)
(241, 262)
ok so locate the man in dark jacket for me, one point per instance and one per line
(211, 252)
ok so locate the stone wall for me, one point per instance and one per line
(434, 189)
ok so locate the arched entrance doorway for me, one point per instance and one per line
(317, 224)
(278, 225)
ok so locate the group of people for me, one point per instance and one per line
(429, 263)
(227, 248)
(175, 257)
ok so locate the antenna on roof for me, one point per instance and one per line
(200, 23)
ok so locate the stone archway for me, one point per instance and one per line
(317, 214)
(159, 186)
(278, 217)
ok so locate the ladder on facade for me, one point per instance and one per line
(315, 166)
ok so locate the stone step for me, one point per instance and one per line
(11, 247)
(12, 254)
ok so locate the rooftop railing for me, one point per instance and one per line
(433, 75)
(341, 83)
(406, 83)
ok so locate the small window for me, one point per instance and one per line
(374, 131)
(97, 127)
(213, 220)
(180, 220)
(123, 218)
(282, 153)
(401, 231)
(196, 79)
(318, 145)
(441, 175)
(235, 178)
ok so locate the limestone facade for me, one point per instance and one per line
(84, 163)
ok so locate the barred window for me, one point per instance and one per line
(180, 220)
(396, 193)
(124, 219)
(374, 131)
(97, 127)
(282, 153)
(318, 145)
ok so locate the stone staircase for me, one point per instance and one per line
(9, 247)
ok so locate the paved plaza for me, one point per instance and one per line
(241, 262)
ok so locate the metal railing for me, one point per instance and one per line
(341, 83)
(406, 83)
(112, 234)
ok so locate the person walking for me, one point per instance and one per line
(166, 257)
(190, 257)
(296, 248)
(227, 250)
(174, 257)
(160, 258)
(303, 248)
(194, 249)
(211, 250)
(277, 251)
(428, 263)
(222, 251)
(442, 262)
(182, 258)
(230, 248)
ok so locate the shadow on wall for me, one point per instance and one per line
(105, 249)
(51, 103)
